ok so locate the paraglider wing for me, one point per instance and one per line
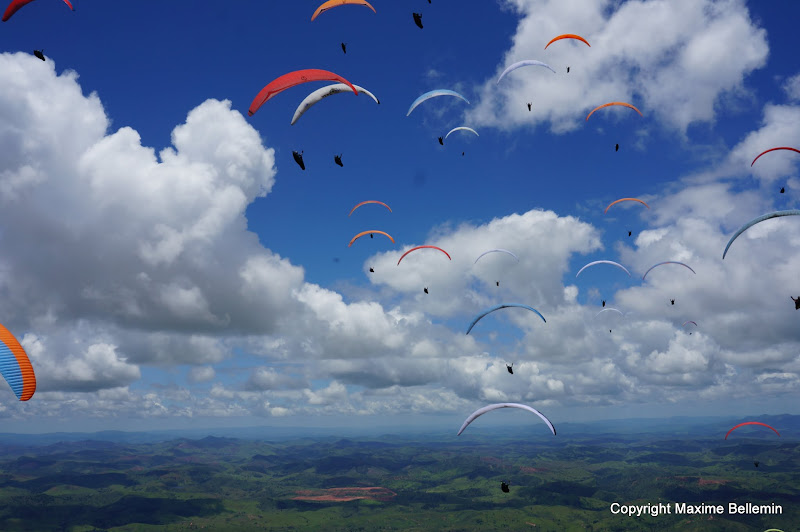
(617, 264)
(432, 94)
(689, 321)
(359, 235)
(292, 79)
(421, 247)
(329, 90)
(495, 251)
(15, 6)
(609, 308)
(498, 307)
(333, 3)
(15, 366)
(461, 128)
(479, 412)
(519, 64)
(369, 201)
(568, 36)
(754, 221)
(613, 103)
(767, 151)
(625, 199)
(751, 423)
(667, 262)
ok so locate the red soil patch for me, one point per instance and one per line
(706, 482)
(532, 470)
(345, 494)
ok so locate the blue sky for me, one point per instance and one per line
(165, 263)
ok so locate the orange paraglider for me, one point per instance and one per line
(15, 366)
(613, 103)
(330, 4)
(422, 247)
(568, 36)
(369, 201)
(625, 199)
(359, 235)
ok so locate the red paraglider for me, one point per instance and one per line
(763, 152)
(421, 247)
(15, 6)
(292, 79)
(568, 36)
(751, 423)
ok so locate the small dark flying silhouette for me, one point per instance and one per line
(498, 283)
(604, 302)
(298, 158)
(371, 235)
(616, 148)
(629, 233)
(796, 302)
(504, 487)
(567, 70)
(338, 159)
(783, 190)
(418, 19)
(672, 301)
(344, 47)
(529, 107)
(39, 54)
(426, 289)
(510, 368)
(462, 153)
(371, 270)
(756, 463)
(441, 141)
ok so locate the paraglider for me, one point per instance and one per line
(766, 151)
(338, 160)
(510, 368)
(369, 201)
(479, 412)
(616, 148)
(426, 289)
(497, 282)
(567, 70)
(15, 6)
(432, 94)
(422, 247)
(568, 36)
(624, 199)
(15, 366)
(751, 423)
(329, 90)
(756, 463)
(504, 487)
(344, 47)
(495, 251)
(520, 64)
(609, 309)
(604, 303)
(418, 19)
(39, 54)
(441, 141)
(293, 79)
(754, 221)
(672, 301)
(371, 270)
(796, 302)
(298, 158)
(461, 128)
(359, 235)
(689, 321)
(629, 233)
(498, 307)
(613, 103)
(782, 190)
(330, 4)
(529, 106)
(617, 264)
(668, 262)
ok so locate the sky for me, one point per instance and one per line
(166, 264)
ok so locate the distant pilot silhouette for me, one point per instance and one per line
(441, 141)
(796, 302)
(510, 368)
(344, 47)
(672, 301)
(529, 107)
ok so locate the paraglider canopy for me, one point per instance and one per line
(479, 412)
(293, 79)
(568, 36)
(751, 423)
(370, 232)
(617, 264)
(432, 94)
(369, 201)
(423, 247)
(15, 6)
(329, 90)
(498, 307)
(624, 199)
(754, 221)
(668, 262)
(15, 366)
(330, 4)
(520, 64)
(769, 150)
(624, 104)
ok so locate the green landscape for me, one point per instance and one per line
(397, 482)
